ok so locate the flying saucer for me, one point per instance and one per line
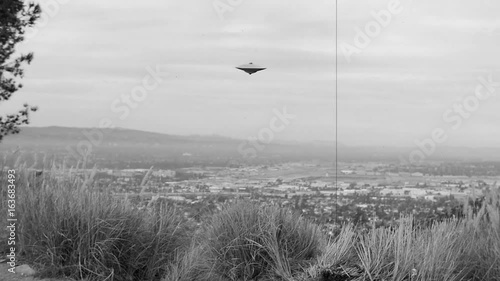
(250, 68)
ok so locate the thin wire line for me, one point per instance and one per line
(336, 112)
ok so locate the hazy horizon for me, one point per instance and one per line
(428, 59)
(279, 141)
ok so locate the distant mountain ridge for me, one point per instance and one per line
(136, 143)
(125, 145)
(109, 134)
(129, 135)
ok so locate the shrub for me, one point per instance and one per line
(69, 229)
(247, 240)
(454, 249)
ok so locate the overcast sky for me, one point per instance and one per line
(392, 91)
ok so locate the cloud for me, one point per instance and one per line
(92, 52)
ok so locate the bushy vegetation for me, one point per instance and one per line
(454, 249)
(450, 250)
(67, 228)
(247, 241)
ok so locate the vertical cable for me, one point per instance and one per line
(336, 112)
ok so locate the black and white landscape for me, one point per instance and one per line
(250, 140)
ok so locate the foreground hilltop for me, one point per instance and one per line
(67, 228)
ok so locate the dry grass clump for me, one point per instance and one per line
(250, 241)
(69, 229)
